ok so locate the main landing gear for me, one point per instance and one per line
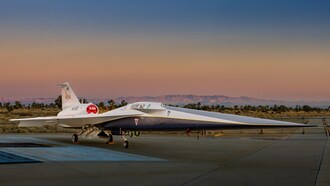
(75, 138)
(91, 131)
(102, 134)
(110, 139)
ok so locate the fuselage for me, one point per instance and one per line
(79, 109)
(156, 116)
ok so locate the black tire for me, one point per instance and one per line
(74, 138)
(110, 140)
(125, 144)
(137, 133)
(130, 133)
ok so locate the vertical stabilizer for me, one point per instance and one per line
(69, 98)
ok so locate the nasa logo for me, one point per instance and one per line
(92, 109)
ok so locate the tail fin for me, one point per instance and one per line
(69, 98)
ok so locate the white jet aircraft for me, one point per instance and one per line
(140, 116)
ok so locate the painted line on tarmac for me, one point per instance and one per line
(9, 158)
(75, 153)
(55, 151)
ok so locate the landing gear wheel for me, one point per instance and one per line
(125, 144)
(130, 133)
(137, 133)
(74, 138)
(110, 140)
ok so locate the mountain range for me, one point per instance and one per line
(185, 99)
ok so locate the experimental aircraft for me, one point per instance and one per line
(140, 116)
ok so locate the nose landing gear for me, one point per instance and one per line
(125, 141)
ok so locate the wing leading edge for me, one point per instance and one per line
(75, 120)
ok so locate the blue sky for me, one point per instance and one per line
(169, 15)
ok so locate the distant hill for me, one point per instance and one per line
(28, 100)
(221, 100)
(186, 99)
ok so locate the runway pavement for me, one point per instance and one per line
(268, 159)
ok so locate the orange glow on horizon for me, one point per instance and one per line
(123, 67)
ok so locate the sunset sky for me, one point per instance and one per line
(271, 49)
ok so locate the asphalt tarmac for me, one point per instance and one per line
(259, 159)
